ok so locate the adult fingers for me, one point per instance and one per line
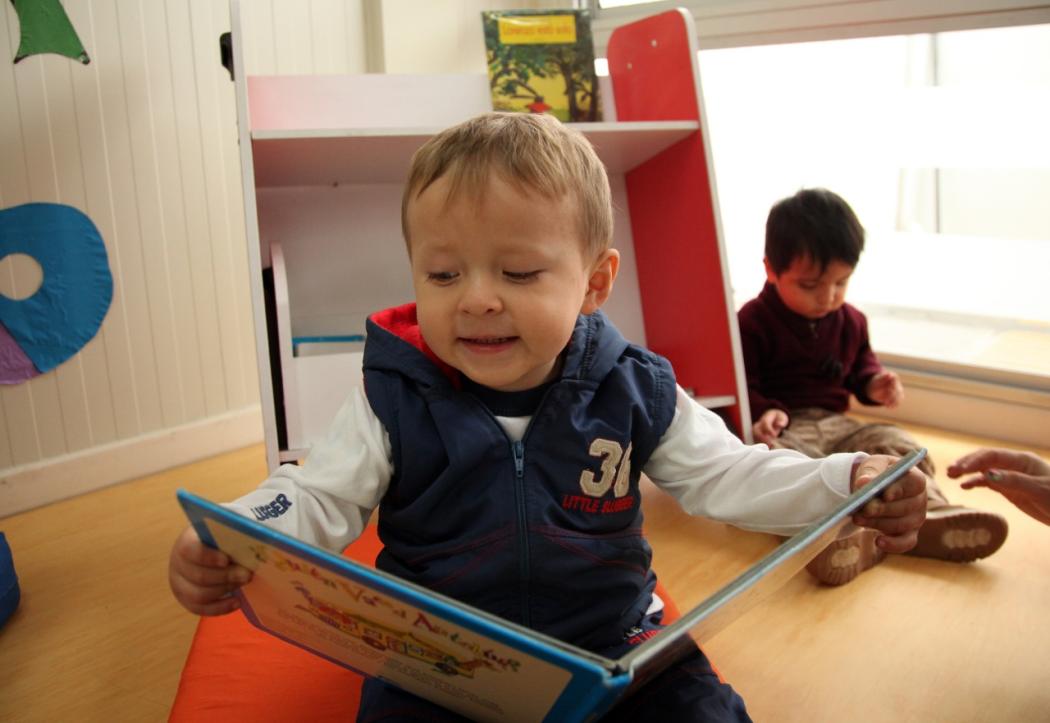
(974, 482)
(1006, 481)
(983, 459)
(1030, 494)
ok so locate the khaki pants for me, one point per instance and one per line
(817, 433)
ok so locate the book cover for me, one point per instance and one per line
(378, 625)
(458, 656)
(542, 61)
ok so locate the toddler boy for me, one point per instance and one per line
(504, 424)
(806, 350)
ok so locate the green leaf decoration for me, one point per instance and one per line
(46, 29)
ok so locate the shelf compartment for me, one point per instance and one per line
(315, 385)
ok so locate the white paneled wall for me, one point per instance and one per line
(438, 36)
(303, 37)
(144, 141)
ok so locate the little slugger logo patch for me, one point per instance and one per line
(615, 473)
(275, 509)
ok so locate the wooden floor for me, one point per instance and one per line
(99, 638)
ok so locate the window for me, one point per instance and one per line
(939, 143)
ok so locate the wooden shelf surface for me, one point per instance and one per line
(325, 156)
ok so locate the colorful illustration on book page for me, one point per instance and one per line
(381, 636)
(542, 61)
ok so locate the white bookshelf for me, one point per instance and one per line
(323, 160)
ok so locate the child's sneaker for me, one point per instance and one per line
(847, 557)
(960, 534)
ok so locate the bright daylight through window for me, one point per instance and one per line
(940, 144)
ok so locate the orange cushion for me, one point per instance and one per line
(236, 672)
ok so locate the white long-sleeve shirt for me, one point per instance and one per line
(698, 461)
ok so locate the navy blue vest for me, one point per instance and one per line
(546, 532)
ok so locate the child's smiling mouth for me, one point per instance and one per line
(487, 343)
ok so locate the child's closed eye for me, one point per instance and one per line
(442, 277)
(521, 276)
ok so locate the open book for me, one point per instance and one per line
(462, 658)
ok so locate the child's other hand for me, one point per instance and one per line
(769, 426)
(899, 511)
(886, 389)
(202, 578)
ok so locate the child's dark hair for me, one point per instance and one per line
(814, 223)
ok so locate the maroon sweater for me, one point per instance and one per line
(793, 362)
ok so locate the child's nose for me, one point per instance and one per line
(480, 297)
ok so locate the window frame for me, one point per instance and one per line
(738, 23)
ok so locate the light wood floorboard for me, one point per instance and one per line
(913, 639)
(99, 638)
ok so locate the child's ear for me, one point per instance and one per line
(600, 283)
(771, 275)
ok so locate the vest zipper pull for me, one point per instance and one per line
(519, 458)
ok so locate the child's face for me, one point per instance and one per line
(499, 283)
(809, 292)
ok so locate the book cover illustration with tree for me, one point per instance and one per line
(542, 61)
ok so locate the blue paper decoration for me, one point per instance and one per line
(66, 311)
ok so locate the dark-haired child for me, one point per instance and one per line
(806, 351)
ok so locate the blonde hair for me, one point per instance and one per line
(534, 151)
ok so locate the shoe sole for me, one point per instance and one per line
(960, 535)
(842, 560)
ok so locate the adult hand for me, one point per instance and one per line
(1021, 477)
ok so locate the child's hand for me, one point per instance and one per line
(202, 578)
(899, 511)
(769, 426)
(886, 389)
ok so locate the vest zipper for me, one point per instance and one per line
(518, 449)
